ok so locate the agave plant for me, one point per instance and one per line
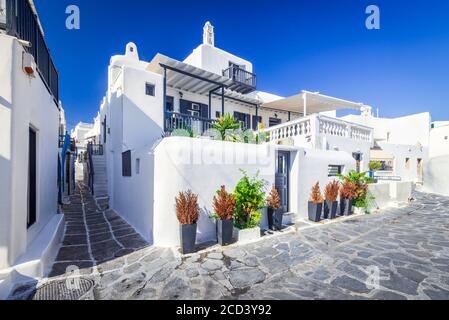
(225, 125)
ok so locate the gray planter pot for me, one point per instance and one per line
(345, 207)
(330, 209)
(225, 229)
(270, 217)
(315, 210)
(278, 216)
(188, 238)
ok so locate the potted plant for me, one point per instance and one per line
(315, 203)
(347, 194)
(225, 126)
(274, 215)
(373, 167)
(330, 197)
(187, 212)
(224, 207)
(249, 200)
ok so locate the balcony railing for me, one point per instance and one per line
(95, 149)
(244, 81)
(21, 22)
(175, 120)
(316, 125)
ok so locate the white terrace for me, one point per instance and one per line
(316, 129)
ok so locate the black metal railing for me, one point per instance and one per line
(90, 168)
(95, 149)
(179, 121)
(244, 80)
(21, 22)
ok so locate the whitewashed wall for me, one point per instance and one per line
(408, 130)
(439, 140)
(201, 166)
(214, 59)
(308, 167)
(436, 173)
(400, 153)
(24, 102)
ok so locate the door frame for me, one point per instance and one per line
(287, 156)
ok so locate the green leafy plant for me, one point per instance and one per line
(225, 125)
(375, 165)
(360, 182)
(249, 197)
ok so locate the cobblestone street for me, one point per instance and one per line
(408, 246)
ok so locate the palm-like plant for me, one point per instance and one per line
(225, 124)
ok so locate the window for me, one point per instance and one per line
(169, 104)
(126, 163)
(407, 163)
(334, 170)
(150, 89)
(274, 122)
(217, 114)
(256, 121)
(137, 166)
(386, 165)
(244, 119)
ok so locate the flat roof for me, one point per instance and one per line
(312, 102)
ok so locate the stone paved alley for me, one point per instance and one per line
(409, 246)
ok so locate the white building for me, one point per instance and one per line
(147, 166)
(437, 169)
(30, 225)
(81, 134)
(401, 144)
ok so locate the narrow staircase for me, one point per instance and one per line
(100, 186)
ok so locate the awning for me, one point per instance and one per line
(311, 102)
(380, 155)
(183, 76)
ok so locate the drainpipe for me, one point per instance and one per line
(222, 101)
(165, 99)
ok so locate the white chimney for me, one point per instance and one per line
(208, 34)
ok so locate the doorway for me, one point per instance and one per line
(31, 212)
(282, 178)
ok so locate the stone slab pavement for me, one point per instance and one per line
(398, 253)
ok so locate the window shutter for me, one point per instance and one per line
(126, 163)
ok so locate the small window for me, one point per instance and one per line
(126, 163)
(137, 166)
(150, 89)
(333, 170)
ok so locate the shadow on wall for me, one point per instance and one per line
(133, 196)
(436, 171)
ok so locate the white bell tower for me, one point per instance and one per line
(208, 34)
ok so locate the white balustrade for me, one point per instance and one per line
(319, 125)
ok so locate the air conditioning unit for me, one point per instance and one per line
(28, 64)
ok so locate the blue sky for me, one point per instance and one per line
(402, 68)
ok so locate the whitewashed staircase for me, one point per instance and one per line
(100, 176)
